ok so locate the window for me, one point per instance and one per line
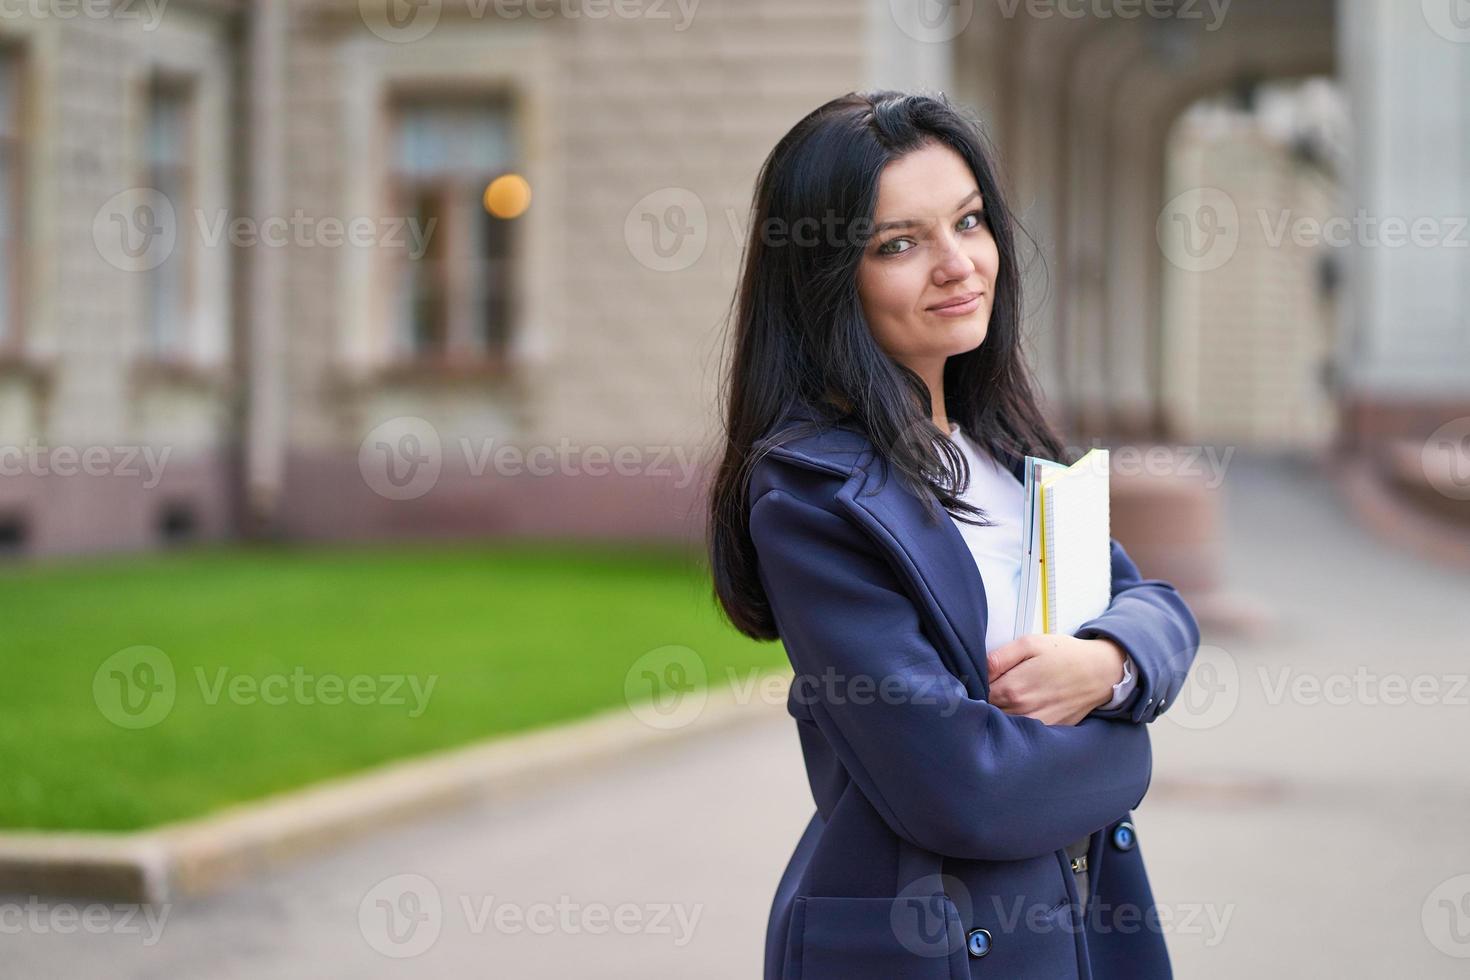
(168, 172)
(10, 195)
(178, 523)
(454, 302)
(13, 534)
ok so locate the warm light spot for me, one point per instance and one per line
(508, 196)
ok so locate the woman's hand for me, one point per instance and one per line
(1053, 678)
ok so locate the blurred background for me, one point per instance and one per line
(359, 376)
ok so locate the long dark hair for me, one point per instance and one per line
(801, 339)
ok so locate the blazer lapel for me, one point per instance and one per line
(925, 547)
(931, 555)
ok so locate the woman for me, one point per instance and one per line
(973, 791)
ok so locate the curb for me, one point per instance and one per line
(198, 856)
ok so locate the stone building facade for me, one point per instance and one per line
(217, 253)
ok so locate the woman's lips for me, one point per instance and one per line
(963, 308)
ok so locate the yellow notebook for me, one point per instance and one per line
(1067, 557)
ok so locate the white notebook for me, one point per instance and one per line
(1066, 566)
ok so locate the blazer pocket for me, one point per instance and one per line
(908, 938)
(1029, 937)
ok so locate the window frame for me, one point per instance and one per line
(184, 87)
(468, 343)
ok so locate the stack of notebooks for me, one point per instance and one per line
(1066, 563)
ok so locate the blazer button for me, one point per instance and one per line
(1124, 837)
(978, 942)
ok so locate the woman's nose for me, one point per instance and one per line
(952, 262)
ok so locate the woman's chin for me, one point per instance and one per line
(967, 335)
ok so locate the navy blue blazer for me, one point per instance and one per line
(937, 851)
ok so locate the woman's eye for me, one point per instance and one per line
(887, 247)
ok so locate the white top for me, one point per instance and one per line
(997, 548)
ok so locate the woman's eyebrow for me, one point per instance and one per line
(910, 223)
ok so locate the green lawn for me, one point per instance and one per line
(510, 636)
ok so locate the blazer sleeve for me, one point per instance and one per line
(1154, 626)
(950, 773)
